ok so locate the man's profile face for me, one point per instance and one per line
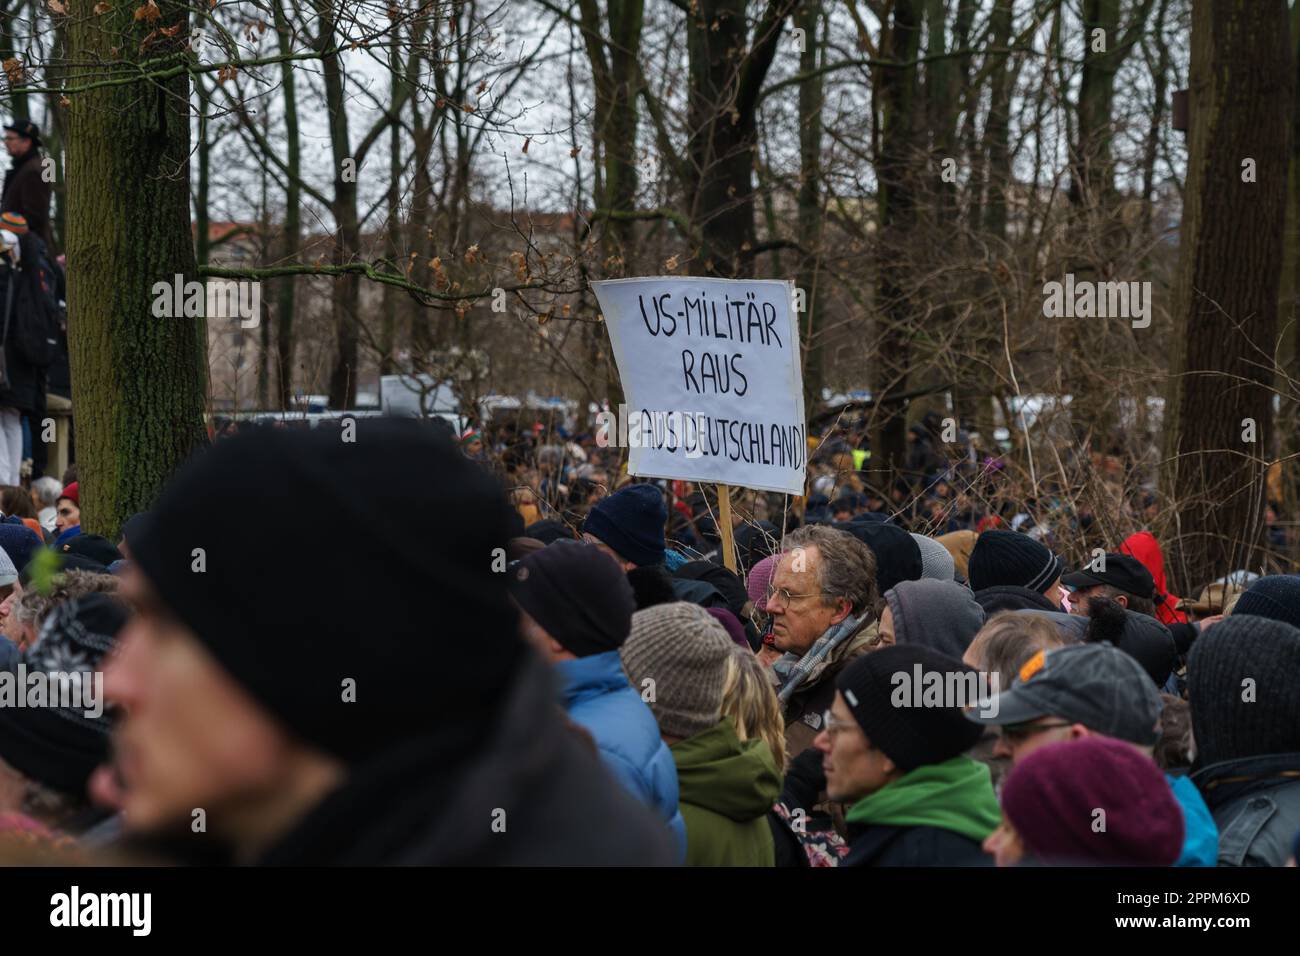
(189, 737)
(15, 144)
(68, 515)
(852, 766)
(801, 618)
(1080, 597)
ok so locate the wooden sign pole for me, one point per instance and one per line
(724, 519)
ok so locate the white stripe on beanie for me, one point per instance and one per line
(1043, 577)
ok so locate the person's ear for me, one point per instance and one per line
(1078, 731)
(842, 610)
(1122, 600)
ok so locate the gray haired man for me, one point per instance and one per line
(822, 593)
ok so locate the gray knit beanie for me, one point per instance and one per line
(684, 650)
(1243, 681)
(942, 615)
(936, 561)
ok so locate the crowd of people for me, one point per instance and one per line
(1120, 724)
(494, 690)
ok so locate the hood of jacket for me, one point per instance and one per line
(585, 677)
(955, 795)
(942, 615)
(718, 771)
(1144, 546)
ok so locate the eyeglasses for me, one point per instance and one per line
(1015, 733)
(782, 596)
(833, 725)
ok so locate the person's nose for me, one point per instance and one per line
(990, 844)
(823, 742)
(121, 672)
(1002, 748)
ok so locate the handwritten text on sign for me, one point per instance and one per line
(710, 369)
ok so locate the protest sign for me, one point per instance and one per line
(710, 369)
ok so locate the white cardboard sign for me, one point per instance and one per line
(711, 375)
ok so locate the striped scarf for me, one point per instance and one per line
(792, 669)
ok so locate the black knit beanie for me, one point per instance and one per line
(60, 747)
(898, 557)
(1275, 596)
(1009, 557)
(1243, 681)
(911, 736)
(578, 594)
(425, 628)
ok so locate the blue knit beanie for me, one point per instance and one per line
(19, 542)
(631, 521)
(1276, 597)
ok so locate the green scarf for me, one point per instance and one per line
(954, 795)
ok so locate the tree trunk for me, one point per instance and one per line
(138, 381)
(615, 79)
(810, 201)
(345, 293)
(202, 223)
(393, 231)
(1242, 90)
(895, 168)
(997, 128)
(9, 10)
(726, 72)
(285, 299)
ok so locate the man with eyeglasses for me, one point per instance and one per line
(1084, 690)
(821, 596)
(916, 798)
(26, 189)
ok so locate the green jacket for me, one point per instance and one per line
(955, 795)
(726, 788)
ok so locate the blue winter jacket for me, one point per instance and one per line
(1201, 839)
(598, 696)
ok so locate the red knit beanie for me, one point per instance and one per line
(70, 491)
(1095, 801)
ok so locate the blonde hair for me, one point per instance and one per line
(750, 699)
